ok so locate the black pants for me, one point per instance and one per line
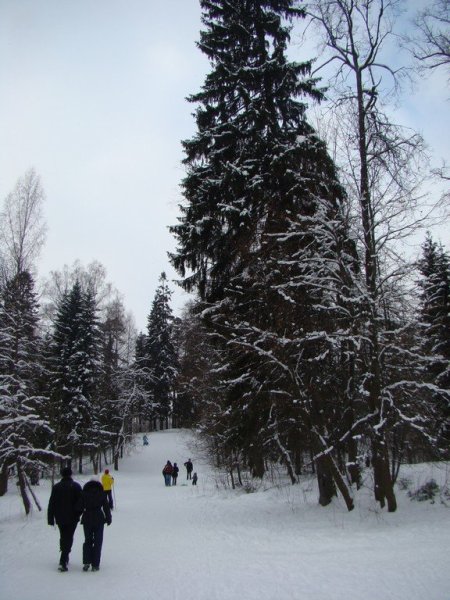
(189, 475)
(66, 533)
(109, 497)
(92, 547)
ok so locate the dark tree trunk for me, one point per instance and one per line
(383, 485)
(34, 475)
(233, 485)
(339, 481)
(291, 473)
(4, 479)
(238, 468)
(23, 488)
(256, 464)
(353, 466)
(327, 489)
(298, 462)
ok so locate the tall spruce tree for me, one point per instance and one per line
(434, 267)
(24, 431)
(75, 352)
(143, 379)
(160, 355)
(263, 240)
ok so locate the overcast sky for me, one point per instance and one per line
(92, 95)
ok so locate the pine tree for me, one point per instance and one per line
(160, 354)
(248, 122)
(24, 431)
(434, 267)
(144, 381)
(75, 352)
(263, 238)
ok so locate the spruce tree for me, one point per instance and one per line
(160, 354)
(24, 431)
(143, 380)
(75, 352)
(263, 238)
(434, 267)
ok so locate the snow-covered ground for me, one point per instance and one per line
(209, 543)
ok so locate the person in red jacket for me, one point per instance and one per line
(167, 472)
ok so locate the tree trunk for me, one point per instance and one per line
(36, 501)
(339, 481)
(353, 466)
(328, 477)
(23, 488)
(34, 475)
(95, 460)
(233, 485)
(4, 479)
(384, 487)
(327, 489)
(238, 469)
(298, 462)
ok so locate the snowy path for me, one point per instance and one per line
(186, 543)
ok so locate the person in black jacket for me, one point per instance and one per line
(63, 507)
(96, 513)
(175, 470)
(189, 468)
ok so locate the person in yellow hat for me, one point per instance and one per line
(107, 483)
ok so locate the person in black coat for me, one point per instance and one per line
(189, 468)
(63, 507)
(96, 513)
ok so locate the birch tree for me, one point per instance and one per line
(381, 168)
(22, 226)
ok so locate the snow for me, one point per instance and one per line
(212, 543)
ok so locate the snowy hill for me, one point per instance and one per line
(208, 543)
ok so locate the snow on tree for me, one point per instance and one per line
(22, 227)
(25, 433)
(434, 266)
(75, 356)
(160, 358)
(262, 237)
(382, 166)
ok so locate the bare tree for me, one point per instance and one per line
(91, 278)
(381, 164)
(22, 227)
(430, 44)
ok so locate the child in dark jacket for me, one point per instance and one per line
(175, 471)
(194, 479)
(96, 513)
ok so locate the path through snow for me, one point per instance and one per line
(187, 543)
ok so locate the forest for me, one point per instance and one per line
(312, 339)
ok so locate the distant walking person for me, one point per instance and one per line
(167, 472)
(189, 467)
(107, 483)
(194, 479)
(63, 507)
(145, 440)
(96, 513)
(175, 470)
